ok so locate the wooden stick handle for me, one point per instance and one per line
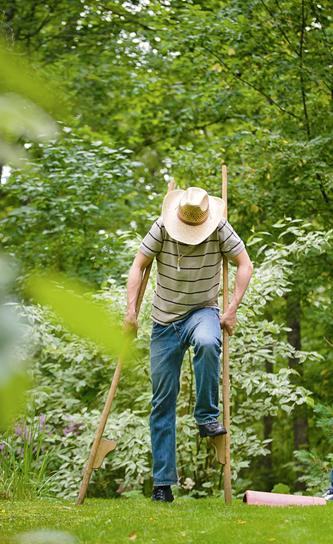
(226, 373)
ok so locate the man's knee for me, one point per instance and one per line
(207, 343)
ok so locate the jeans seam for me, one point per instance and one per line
(175, 329)
(178, 335)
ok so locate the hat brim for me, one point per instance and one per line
(190, 234)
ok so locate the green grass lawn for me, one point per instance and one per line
(139, 520)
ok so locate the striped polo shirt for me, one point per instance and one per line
(188, 276)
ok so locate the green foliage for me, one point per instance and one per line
(314, 466)
(24, 461)
(74, 210)
(71, 380)
(281, 488)
(172, 88)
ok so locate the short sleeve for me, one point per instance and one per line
(152, 243)
(230, 243)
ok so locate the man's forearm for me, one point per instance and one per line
(242, 280)
(140, 263)
(133, 288)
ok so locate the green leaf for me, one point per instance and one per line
(90, 319)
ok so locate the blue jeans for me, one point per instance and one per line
(200, 329)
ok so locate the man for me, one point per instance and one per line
(188, 241)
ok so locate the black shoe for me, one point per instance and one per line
(212, 429)
(162, 493)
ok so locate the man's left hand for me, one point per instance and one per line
(228, 321)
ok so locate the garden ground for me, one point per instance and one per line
(186, 520)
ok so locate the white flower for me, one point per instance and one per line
(188, 484)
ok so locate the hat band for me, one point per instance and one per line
(182, 218)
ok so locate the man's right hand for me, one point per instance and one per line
(131, 323)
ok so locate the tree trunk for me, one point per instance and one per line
(267, 461)
(300, 422)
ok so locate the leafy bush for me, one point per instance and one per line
(72, 378)
(313, 466)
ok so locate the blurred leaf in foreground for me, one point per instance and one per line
(18, 76)
(91, 319)
(21, 118)
(27, 102)
(13, 350)
(45, 536)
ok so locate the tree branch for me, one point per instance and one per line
(301, 61)
(189, 129)
(36, 31)
(284, 34)
(254, 87)
(303, 92)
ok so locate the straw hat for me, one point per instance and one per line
(191, 216)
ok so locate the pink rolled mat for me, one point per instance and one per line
(281, 499)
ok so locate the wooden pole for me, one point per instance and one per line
(226, 373)
(101, 446)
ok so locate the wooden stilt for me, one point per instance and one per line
(96, 451)
(219, 445)
(101, 446)
(226, 374)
